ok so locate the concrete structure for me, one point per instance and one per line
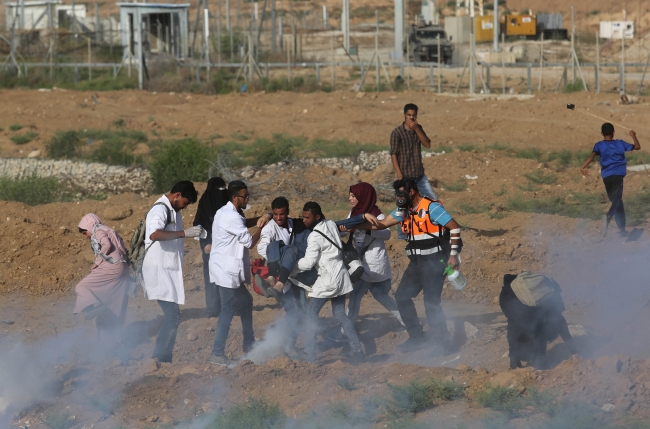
(614, 29)
(36, 14)
(142, 24)
(459, 28)
(398, 53)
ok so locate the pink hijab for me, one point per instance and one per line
(89, 221)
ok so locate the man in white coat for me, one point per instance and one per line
(162, 268)
(230, 268)
(333, 282)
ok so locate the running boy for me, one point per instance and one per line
(613, 168)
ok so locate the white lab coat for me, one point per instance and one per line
(333, 278)
(162, 268)
(273, 232)
(230, 264)
(376, 264)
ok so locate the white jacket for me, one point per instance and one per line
(230, 264)
(162, 268)
(273, 232)
(375, 261)
(333, 278)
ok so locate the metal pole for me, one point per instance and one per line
(250, 56)
(22, 14)
(597, 73)
(573, 46)
(377, 45)
(97, 24)
(622, 85)
(206, 40)
(431, 83)
(332, 61)
(496, 25)
(219, 32)
(274, 28)
(289, 65)
(503, 64)
(399, 31)
(439, 68)
(541, 63)
(472, 55)
(90, 72)
(529, 78)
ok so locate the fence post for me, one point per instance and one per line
(431, 76)
(266, 70)
(114, 71)
(530, 84)
(488, 77)
(26, 70)
(362, 69)
(76, 73)
(318, 73)
(401, 71)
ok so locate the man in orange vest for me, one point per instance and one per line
(433, 242)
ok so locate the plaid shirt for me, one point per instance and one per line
(408, 148)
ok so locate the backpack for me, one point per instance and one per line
(351, 259)
(532, 289)
(137, 251)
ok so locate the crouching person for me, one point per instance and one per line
(333, 281)
(533, 305)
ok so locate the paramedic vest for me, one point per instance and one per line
(424, 237)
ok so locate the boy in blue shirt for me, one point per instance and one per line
(613, 168)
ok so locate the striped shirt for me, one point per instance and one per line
(408, 148)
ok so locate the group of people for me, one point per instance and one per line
(306, 259)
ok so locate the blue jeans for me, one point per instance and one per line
(424, 273)
(167, 334)
(232, 300)
(338, 309)
(379, 291)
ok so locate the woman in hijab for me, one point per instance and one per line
(102, 294)
(214, 197)
(372, 253)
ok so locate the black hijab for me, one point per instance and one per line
(214, 197)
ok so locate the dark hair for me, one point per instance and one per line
(407, 183)
(187, 190)
(234, 187)
(410, 106)
(607, 129)
(280, 203)
(83, 230)
(314, 208)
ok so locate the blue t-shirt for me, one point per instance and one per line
(612, 157)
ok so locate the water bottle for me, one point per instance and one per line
(455, 277)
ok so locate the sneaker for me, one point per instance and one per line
(249, 347)
(360, 355)
(264, 286)
(273, 293)
(220, 360)
(413, 343)
(209, 314)
(623, 233)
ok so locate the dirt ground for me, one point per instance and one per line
(57, 365)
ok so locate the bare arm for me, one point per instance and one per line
(256, 237)
(381, 224)
(637, 145)
(398, 171)
(583, 169)
(162, 235)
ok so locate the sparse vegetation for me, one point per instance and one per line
(501, 191)
(58, 420)
(473, 208)
(33, 190)
(346, 383)
(499, 398)
(177, 160)
(25, 138)
(576, 86)
(531, 153)
(466, 147)
(458, 186)
(15, 127)
(444, 148)
(576, 205)
(419, 395)
(256, 413)
(541, 178)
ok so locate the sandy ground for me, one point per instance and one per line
(52, 362)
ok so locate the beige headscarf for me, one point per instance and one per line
(89, 221)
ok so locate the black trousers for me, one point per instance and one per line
(212, 297)
(614, 188)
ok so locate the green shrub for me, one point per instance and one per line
(24, 138)
(541, 178)
(444, 148)
(458, 186)
(257, 413)
(473, 208)
(466, 147)
(499, 398)
(501, 191)
(15, 127)
(498, 146)
(420, 395)
(64, 144)
(532, 153)
(58, 420)
(1, 129)
(577, 206)
(173, 161)
(33, 190)
(577, 86)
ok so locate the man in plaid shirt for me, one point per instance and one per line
(406, 150)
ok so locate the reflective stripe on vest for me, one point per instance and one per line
(422, 233)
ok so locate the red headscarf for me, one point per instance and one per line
(367, 199)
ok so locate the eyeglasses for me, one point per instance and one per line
(247, 196)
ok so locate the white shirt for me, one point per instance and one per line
(162, 268)
(273, 232)
(376, 264)
(230, 264)
(333, 278)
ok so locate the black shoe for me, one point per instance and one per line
(623, 233)
(97, 311)
(413, 343)
(357, 356)
(262, 285)
(249, 347)
(209, 313)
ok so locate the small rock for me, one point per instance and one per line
(192, 336)
(471, 331)
(462, 367)
(608, 408)
(247, 172)
(7, 322)
(153, 419)
(496, 241)
(34, 154)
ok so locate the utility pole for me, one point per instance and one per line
(345, 24)
(399, 30)
(496, 26)
(472, 57)
(274, 28)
